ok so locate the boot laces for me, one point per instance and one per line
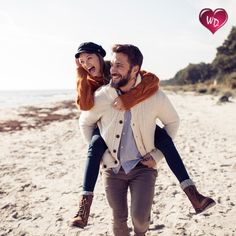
(82, 207)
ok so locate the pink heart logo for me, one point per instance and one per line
(213, 20)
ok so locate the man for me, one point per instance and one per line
(131, 158)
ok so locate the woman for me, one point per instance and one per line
(93, 72)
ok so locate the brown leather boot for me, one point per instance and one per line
(200, 203)
(81, 218)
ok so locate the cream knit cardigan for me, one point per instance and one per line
(143, 122)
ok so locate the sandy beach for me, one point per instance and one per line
(42, 160)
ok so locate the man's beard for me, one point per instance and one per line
(122, 82)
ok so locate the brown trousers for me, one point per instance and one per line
(141, 183)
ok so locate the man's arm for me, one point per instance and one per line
(167, 114)
(88, 119)
(87, 123)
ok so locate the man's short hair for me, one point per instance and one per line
(135, 57)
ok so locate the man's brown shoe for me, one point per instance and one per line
(200, 203)
(81, 218)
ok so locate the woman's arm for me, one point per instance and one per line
(86, 86)
(148, 86)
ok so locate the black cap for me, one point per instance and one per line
(90, 47)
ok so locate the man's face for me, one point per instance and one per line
(121, 71)
(90, 62)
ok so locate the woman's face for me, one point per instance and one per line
(90, 62)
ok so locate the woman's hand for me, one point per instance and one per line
(148, 161)
(118, 104)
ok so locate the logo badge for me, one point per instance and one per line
(213, 20)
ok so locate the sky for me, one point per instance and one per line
(38, 39)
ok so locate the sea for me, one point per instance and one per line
(18, 98)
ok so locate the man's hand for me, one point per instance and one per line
(118, 104)
(148, 161)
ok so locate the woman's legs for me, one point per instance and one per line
(96, 150)
(165, 144)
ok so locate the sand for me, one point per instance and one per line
(42, 160)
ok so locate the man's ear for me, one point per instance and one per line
(135, 69)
